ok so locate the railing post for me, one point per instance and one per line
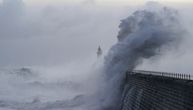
(189, 77)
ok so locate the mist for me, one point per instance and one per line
(179, 59)
(52, 35)
(48, 52)
(146, 34)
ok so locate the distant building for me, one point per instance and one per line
(99, 52)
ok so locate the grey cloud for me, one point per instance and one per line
(54, 35)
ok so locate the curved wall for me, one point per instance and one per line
(149, 92)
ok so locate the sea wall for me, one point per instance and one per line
(154, 92)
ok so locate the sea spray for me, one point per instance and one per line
(144, 34)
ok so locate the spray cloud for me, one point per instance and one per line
(143, 35)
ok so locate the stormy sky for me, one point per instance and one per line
(56, 32)
(109, 1)
(53, 35)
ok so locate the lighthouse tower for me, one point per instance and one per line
(99, 52)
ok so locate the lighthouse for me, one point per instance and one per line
(99, 52)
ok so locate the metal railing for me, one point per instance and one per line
(163, 74)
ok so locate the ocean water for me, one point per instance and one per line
(27, 89)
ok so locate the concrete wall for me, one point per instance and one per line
(148, 92)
